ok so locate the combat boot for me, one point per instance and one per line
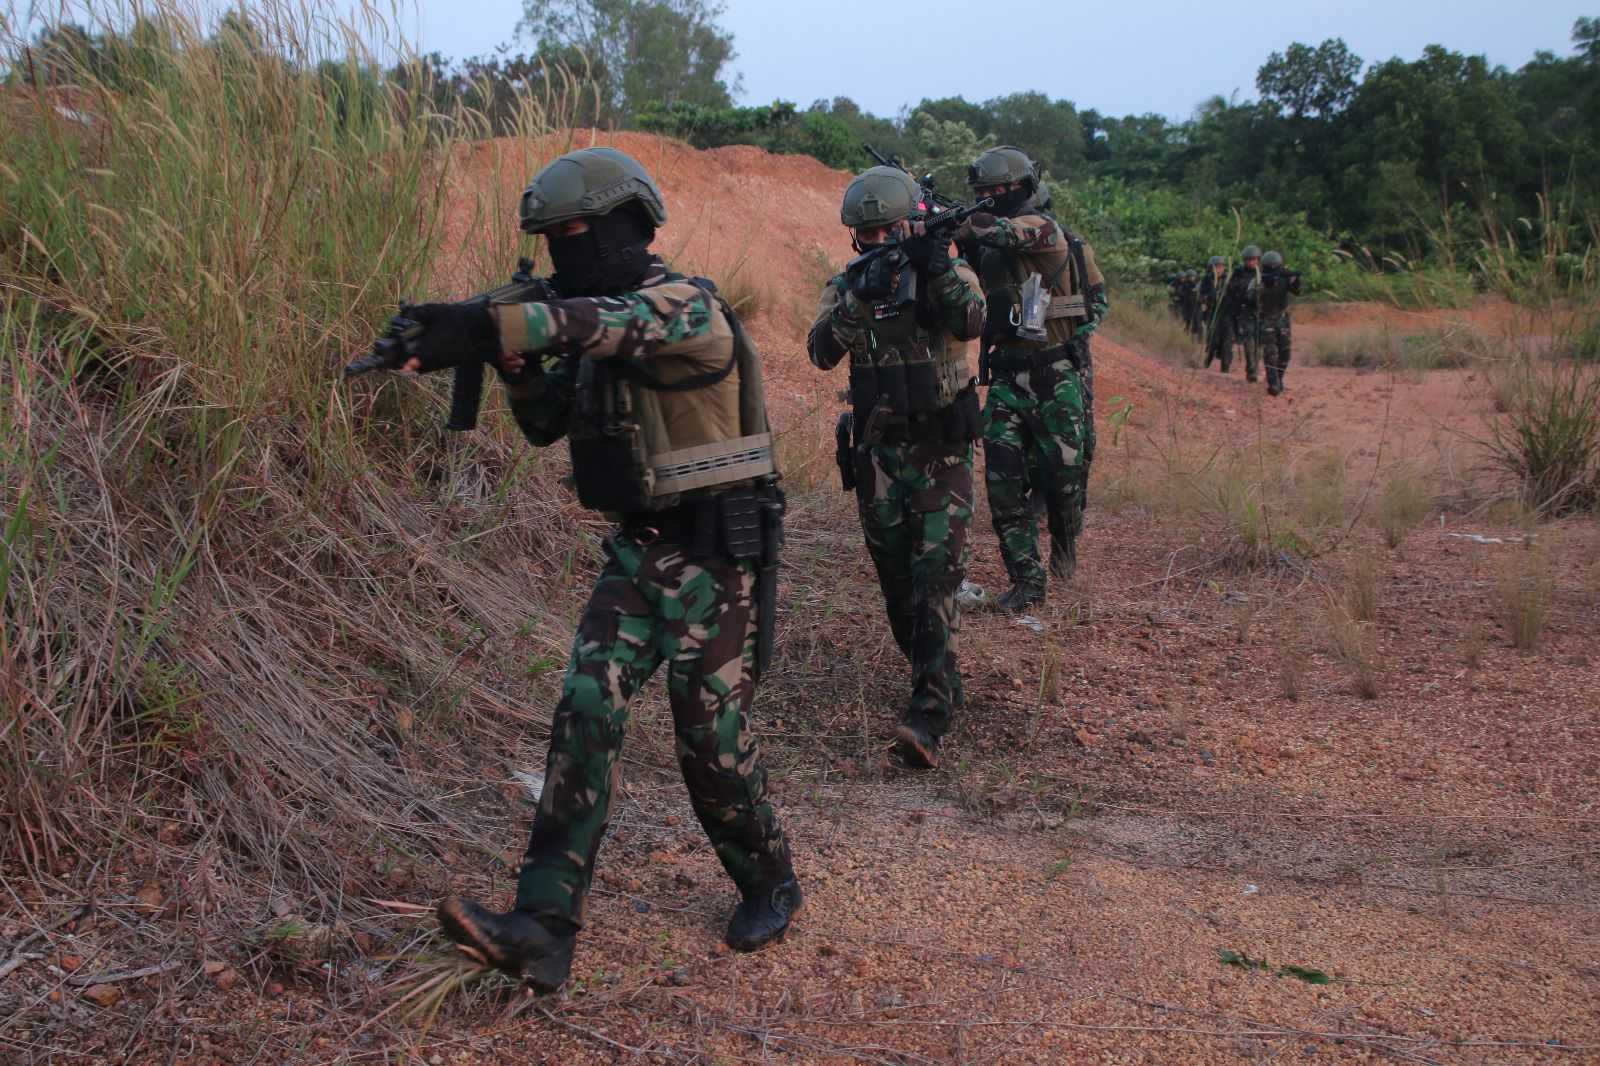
(534, 948)
(917, 744)
(1019, 598)
(1063, 557)
(763, 915)
(1274, 380)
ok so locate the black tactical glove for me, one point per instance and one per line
(875, 280)
(452, 334)
(931, 255)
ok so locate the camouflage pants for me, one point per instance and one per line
(915, 502)
(1275, 340)
(651, 604)
(1246, 329)
(1035, 438)
(1219, 341)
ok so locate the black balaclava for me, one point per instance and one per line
(609, 258)
(1009, 204)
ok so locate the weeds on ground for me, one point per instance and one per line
(1145, 320)
(1402, 505)
(1526, 586)
(1350, 641)
(1547, 437)
(1361, 589)
(1449, 348)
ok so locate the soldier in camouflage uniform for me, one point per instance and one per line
(1272, 291)
(1214, 314)
(673, 588)
(1241, 297)
(1038, 423)
(903, 321)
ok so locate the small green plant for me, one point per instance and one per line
(1245, 962)
(1351, 643)
(1057, 868)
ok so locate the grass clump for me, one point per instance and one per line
(205, 605)
(1145, 321)
(1402, 505)
(1349, 640)
(1449, 348)
(1548, 435)
(1526, 587)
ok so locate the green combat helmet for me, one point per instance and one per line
(1272, 261)
(1217, 261)
(1251, 251)
(591, 181)
(879, 197)
(1002, 166)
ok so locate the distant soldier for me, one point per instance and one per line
(903, 320)
(1273, 290)
(649, 376)
(1242, 290)
(1045, 297)
(1218, 333)
(1191, 303)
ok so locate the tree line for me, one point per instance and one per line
(1413, 159)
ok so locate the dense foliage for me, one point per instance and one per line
(1443, 168)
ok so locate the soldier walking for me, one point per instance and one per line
(1214, 314)
(1273, 290)
(1243, 288)
(903, 320)
(650, 377)
(1045, 297)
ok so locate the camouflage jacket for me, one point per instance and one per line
(1241, 292)
(669, 322)
(844, 325)
(1031, 243)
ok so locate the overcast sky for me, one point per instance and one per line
(1121, 58)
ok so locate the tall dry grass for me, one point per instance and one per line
(283, 618)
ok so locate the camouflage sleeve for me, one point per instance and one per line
(960, 300)
(542, 402)
(637, 324)
(1025, 233)
(1094, 294)
(834, 328)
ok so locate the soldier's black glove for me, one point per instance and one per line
(931, 255)
(875, 280)
(452, 334)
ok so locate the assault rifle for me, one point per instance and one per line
(391, 350)
(868, 273)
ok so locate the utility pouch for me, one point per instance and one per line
(922, 387)
(1031, 310)
(740, 514)
(892, 388)
(608, 470)
(843, 451)
(863, 387)
(966, 417)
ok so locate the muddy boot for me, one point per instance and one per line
(1020, 597)
(1063, 557)
(916, 744)
(534, 948)
(1274, 380)
(763, 915)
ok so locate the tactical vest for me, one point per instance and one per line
(905, 363)
(1274, 293)
(624, 460)
(1003, 273)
